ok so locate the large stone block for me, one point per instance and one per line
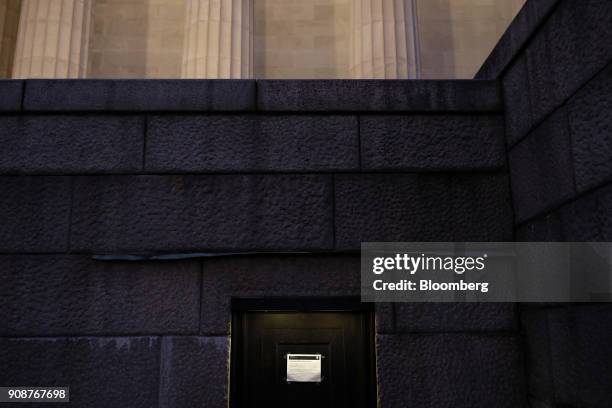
(449, 370)
(591, 128)
(252, 143)
(573, 45)
(270, 276)
(432, 142)
(379, 95)
(101, 372)
(11, 92)
(139, 95)
(34, 214)
(541, 168)
(547, 228)
(536, 335)
(421, 207)
(55, 144)
(455, 317)
(519, 119)
(189, 213)
(589, 217)
(580, 339)
(45, 295)
(194, 372)
(586, 218)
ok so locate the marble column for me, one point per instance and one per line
(53, 39)
(9, 20)
(384, 39)
(218, 39)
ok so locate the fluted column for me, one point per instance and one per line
(218, 39)
(53, 39)
(9, 19)
(384, 39)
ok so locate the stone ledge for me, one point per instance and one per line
(379, 96)
(94, 95)
(139, 95)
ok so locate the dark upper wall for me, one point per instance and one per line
(555, 64)
(179, 166)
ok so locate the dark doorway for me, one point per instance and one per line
(302, 353)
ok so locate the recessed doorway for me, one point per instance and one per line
(302, 353)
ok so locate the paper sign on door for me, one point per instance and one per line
(304, 367)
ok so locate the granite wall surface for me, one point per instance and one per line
(94, 171)
(555, 65)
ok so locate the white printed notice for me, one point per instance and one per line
(304, 367)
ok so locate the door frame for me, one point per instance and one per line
(242, 305)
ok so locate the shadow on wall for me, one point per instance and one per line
(9, 22)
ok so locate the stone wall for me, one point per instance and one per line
(100, 172)
(555, 63)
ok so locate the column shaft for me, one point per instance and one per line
(9, 19)
(53, 39)
(218, 39)
(384, 41)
